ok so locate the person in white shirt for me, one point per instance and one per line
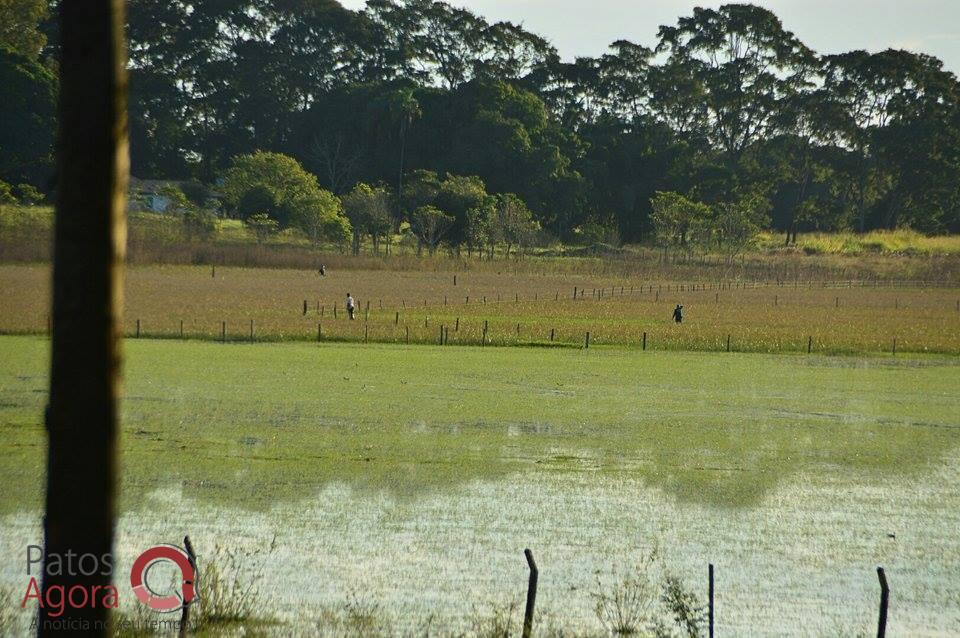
(351, 306)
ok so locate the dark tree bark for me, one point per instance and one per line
(90, 236)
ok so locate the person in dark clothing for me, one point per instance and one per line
(678, 314)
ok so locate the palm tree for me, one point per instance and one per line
(403, 109)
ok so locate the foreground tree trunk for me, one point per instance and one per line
(90, 235)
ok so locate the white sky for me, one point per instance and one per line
(586, 27)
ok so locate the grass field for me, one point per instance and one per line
(517, 309)
(416, 475)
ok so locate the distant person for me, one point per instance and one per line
(678, 314)
(323, 271)
(351, 306)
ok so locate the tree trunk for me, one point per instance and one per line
(90, 234)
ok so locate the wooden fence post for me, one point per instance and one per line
(396, 319)
(531, 594)
(711, 612)
(454, 280)
(213, 271)
(251, 330)
(304, 307)
(884, 600)
(644, 340)
(551, 334)
(728, 343)
(894, 346)
(185, 613)
(441, 334)
(809, 345)
(586, 340)
(456, 327)
(366, 327)
(319, 331)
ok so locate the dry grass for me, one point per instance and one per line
(835, 318)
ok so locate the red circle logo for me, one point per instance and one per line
(150, 558)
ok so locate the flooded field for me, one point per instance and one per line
(403, 483)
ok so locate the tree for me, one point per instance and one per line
(734, 225)
(179, 203)
(429, 224)
(319, 214)
(287, 193)
(403, 109)
(368, 209)
(199, 223)
(674, 217)
(262, 226)
(28, 113)
(482, 229)
(7, 196)
(515, 221)
(19, 26)
(746, 63)
(456, 196)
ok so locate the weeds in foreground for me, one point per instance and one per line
(8, 612)
(503, 621)
(229, 585)
(639, 603)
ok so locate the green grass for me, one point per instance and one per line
(418, 473)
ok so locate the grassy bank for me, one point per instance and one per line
(516, 309)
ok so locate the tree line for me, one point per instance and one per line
(729, 112)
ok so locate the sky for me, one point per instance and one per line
(587, 27)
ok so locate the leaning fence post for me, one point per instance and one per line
(551, 333)
(884, 600)
(185, 614)
(531, 594)
(710, 596)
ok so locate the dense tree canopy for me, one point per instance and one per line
(729, 107)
